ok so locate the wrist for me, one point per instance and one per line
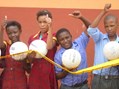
(104, 11)
(49, 31)
(81, 17)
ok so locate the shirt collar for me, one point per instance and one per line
(117, 39)
(37, 35)
(106, 37)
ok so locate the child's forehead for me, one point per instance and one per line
(42, 16)
(12, 28)
(110, 20)
(65, 33)
(108, 17)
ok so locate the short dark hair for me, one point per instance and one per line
(62, 30)
(110, 16)
(13, 23)
(43, 12)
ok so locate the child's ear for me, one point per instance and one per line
(20, 30)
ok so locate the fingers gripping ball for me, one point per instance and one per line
(71, 58)
(18, 47)
(39, 46)
(111, 50)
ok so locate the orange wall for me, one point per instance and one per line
(85, 4)
(24, 11)
(27, 17)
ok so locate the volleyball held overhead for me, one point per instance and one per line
(18, 47)
(71, 58)
(111, 50)
(40, 47)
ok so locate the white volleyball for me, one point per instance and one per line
(71, 58)
(39, 46)
(111, 50)
(18, 47)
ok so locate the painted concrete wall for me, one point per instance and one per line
(25, 11)
(85, 4)
(27, 17)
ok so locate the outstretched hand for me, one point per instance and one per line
(76, 14)
(107, 7)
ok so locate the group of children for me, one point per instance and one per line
(44, 75)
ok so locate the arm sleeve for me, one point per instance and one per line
(82, 39)
(57, 60)
(94, 33)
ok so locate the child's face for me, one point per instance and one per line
(43, 23)
(13, 33)
(111, 26)
(65, 40)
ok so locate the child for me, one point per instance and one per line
(14, 71)
(107, 78)
(64, 38)
(42, 74)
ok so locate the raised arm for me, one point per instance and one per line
(1, 36)
(78, 15)
(50, 42)
(99, 17)
(2, 28)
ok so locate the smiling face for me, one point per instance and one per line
(13, 33)
(65, 39)
(13, 30)
(111, 25)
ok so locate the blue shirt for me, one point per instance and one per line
(80, 45)
(100, 40)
